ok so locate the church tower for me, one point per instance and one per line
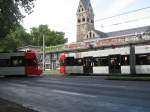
(85, 19)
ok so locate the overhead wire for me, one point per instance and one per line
(128, 21)
(125, 13)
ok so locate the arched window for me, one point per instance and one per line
(87, 36)
(82, 9)
(83, 19)
(93, 35)
(92, 21)
(87, 19)
(79, 20)
(90, 34)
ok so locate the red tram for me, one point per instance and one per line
(19, 63)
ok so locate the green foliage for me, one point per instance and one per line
(20, 38)
(14, 40)
(51, 37)
(10, 14)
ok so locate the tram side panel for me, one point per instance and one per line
(142, 59)
(99, 66)
(18, 64)
(8, 64)
(110, 61)
(73, 63)
(103, 64)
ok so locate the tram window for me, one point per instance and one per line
(96, 61)
(125, 60)
(31, 62)
(17, 61)
(78, 62)
(4, 62)
(69, 61)
(104, 61)
(88, 61)
(100, 61)
(143, 59)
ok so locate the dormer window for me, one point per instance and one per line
(82, 9)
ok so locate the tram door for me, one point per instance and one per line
(115, 64)
(88, 65)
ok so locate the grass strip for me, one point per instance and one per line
(129, 78)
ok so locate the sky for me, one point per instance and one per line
(60, 15)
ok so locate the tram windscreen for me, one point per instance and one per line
(69, 61)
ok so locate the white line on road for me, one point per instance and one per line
(73, 93)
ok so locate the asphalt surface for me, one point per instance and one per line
(7, 106)
(77, 94)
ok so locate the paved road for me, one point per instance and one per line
(77, 94)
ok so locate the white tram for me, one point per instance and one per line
(123, 60)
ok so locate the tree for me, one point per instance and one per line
(20, 38)
(15, 39)
(51, 37)
(10, 14)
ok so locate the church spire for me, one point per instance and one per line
(85, 19)
(85, 5)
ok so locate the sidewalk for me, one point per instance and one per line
(6, 106)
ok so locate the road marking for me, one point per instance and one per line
(17, 84)
(108, 86)
(73, 93)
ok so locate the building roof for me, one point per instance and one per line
(29, 47)
(102, 34)
(129, 31)
(85, 3)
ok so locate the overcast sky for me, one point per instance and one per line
(60, 15)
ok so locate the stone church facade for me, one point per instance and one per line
(85, 22)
